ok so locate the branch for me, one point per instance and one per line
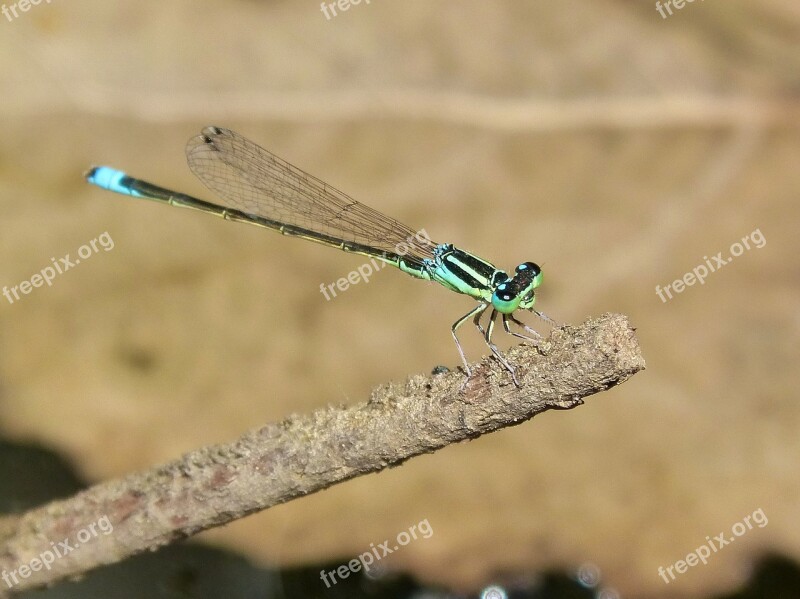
(483, 111)
(304, 454)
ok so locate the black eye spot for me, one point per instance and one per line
(531, 267)
(506, 291)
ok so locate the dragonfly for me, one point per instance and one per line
(259, 188)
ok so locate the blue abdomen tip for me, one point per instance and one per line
(110, 179)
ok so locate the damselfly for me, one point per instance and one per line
(259, 188)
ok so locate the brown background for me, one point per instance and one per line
(615, 147)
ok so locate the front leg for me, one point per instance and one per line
(507, 317)
(477, 311)
(497, 354)
(546, 318)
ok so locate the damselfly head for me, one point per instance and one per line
(518, 292)
(528, 276)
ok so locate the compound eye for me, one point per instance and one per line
(506, 298)
(530, 267)
(504, 292)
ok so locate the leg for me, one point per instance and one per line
(477, 322)
(476, 311)
(546, 318)
(507, 317)
(488, 338)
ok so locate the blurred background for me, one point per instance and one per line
(616, 144)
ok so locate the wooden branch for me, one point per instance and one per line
(304, 454)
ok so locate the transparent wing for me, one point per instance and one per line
(255, 181)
